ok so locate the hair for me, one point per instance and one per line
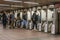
(35, 11)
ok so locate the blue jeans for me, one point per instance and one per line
(24, 23)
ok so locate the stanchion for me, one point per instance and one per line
(30, 25)
(39, 27)
(27, 25)
(21, 24)
(34, 27)
(45, 28)
(53, 29)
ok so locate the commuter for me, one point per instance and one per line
(35, 20)
(12, 20)
(9, 20)
(39, 20)
(4, 19)
(18, 20)
(24, 22)
(39, 16)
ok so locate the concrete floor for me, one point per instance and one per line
(23, 34)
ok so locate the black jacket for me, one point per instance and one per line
(25, 17)
(35, 17)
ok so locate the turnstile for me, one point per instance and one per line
(44, 19)
(58, 23)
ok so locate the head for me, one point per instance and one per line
(24, 12)
(35, 11)
(4, 12)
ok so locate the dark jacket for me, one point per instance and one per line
(11, 17)
(35, 17)
(4, 18)
(25, 17)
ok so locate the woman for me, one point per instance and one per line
(4, 20)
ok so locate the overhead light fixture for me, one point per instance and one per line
(12, 0)
(4, 5)
(16, 6)
(31, 3)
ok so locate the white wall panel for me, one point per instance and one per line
(21, 15)
(49, 15)
(15, 14)
(28, 15)
(38, 12)
(32, 12)
(43, 15)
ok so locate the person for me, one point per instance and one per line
(34, 19)
(18, 20)
(4, 20)
(8, 19)
(24, 22)
(11, 20)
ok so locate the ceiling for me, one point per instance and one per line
(14, 4)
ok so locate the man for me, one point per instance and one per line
(12, 20)
(4, 20)
(35, 19)
(18, 20)
(24, 19)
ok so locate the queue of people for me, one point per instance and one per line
(12, 22)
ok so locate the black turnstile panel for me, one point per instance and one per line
(58, 23)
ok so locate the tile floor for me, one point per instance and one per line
(23, 34)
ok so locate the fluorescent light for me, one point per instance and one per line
(31, 3)
(16, 6)
(4, 5)
(12, 1)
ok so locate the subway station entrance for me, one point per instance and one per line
(30, 20)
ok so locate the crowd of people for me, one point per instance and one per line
(12, 22)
